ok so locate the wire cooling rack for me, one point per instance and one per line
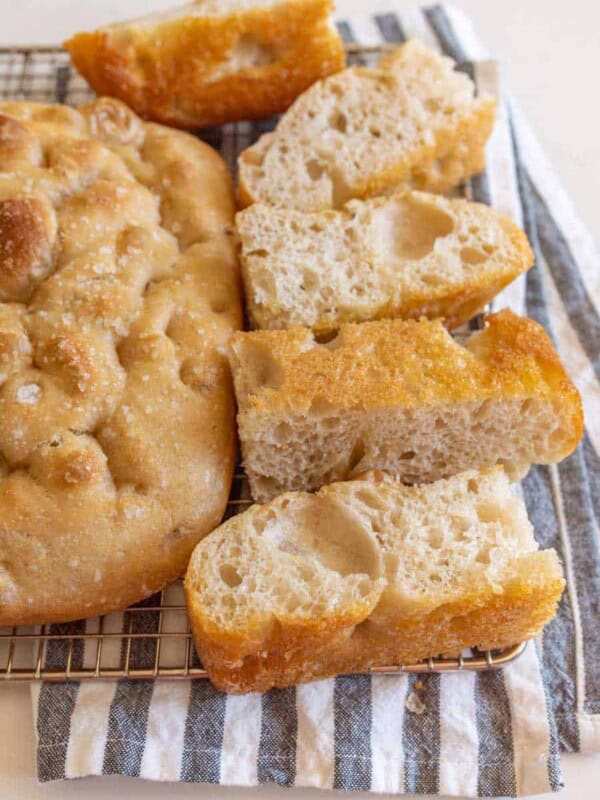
(151, 639)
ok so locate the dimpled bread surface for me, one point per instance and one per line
(118, 295)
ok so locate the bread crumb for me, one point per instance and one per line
(414, 703)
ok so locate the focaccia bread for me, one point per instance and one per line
(400, 396)
(118, 295)
(408, 255)
(212, 61)
(411, 123)
(367, 573)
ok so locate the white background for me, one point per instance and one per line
(551, 51)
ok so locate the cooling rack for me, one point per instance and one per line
(151, 639)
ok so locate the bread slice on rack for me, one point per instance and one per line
(401, 396)
(412, 122)
(367, 573)
(407, 255)
(212, 61)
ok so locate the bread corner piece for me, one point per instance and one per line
(367, 573)
(211, 62)
(413, 122)
(402, 396)
(406, 255)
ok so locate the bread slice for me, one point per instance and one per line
(413, 122)
(408, 255)
(367, 573)
(212, 61)
(400, 396)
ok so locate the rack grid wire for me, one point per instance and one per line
(151, 639)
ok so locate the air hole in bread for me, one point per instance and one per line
(435, 537)
(408, 229)
(488, 512)
(470, 255)
(473, 485)
(357, 454)
(339, 122)
(318, 528)
(407, 455)
(260, 523)
(258, 253)
(315, 169)
(326, 338)
(230, 575)
(375, 132)
(310, 280)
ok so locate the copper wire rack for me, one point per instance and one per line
(151, 639)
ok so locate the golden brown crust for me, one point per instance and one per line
(27, 233)
(284, 633)
(403, 396)
(433, 367)
(183, 72)
(120, 287)
(296, 654)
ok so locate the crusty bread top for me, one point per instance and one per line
(365, 130)
(210, 62)
(118, 294)
(406, 255)
(398, 363)
(370, 547)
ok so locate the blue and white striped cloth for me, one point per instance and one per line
(488, 734)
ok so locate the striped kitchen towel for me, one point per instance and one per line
(473, 734)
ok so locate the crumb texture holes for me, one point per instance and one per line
(230, 575)
(408, 229)
(316, 527)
